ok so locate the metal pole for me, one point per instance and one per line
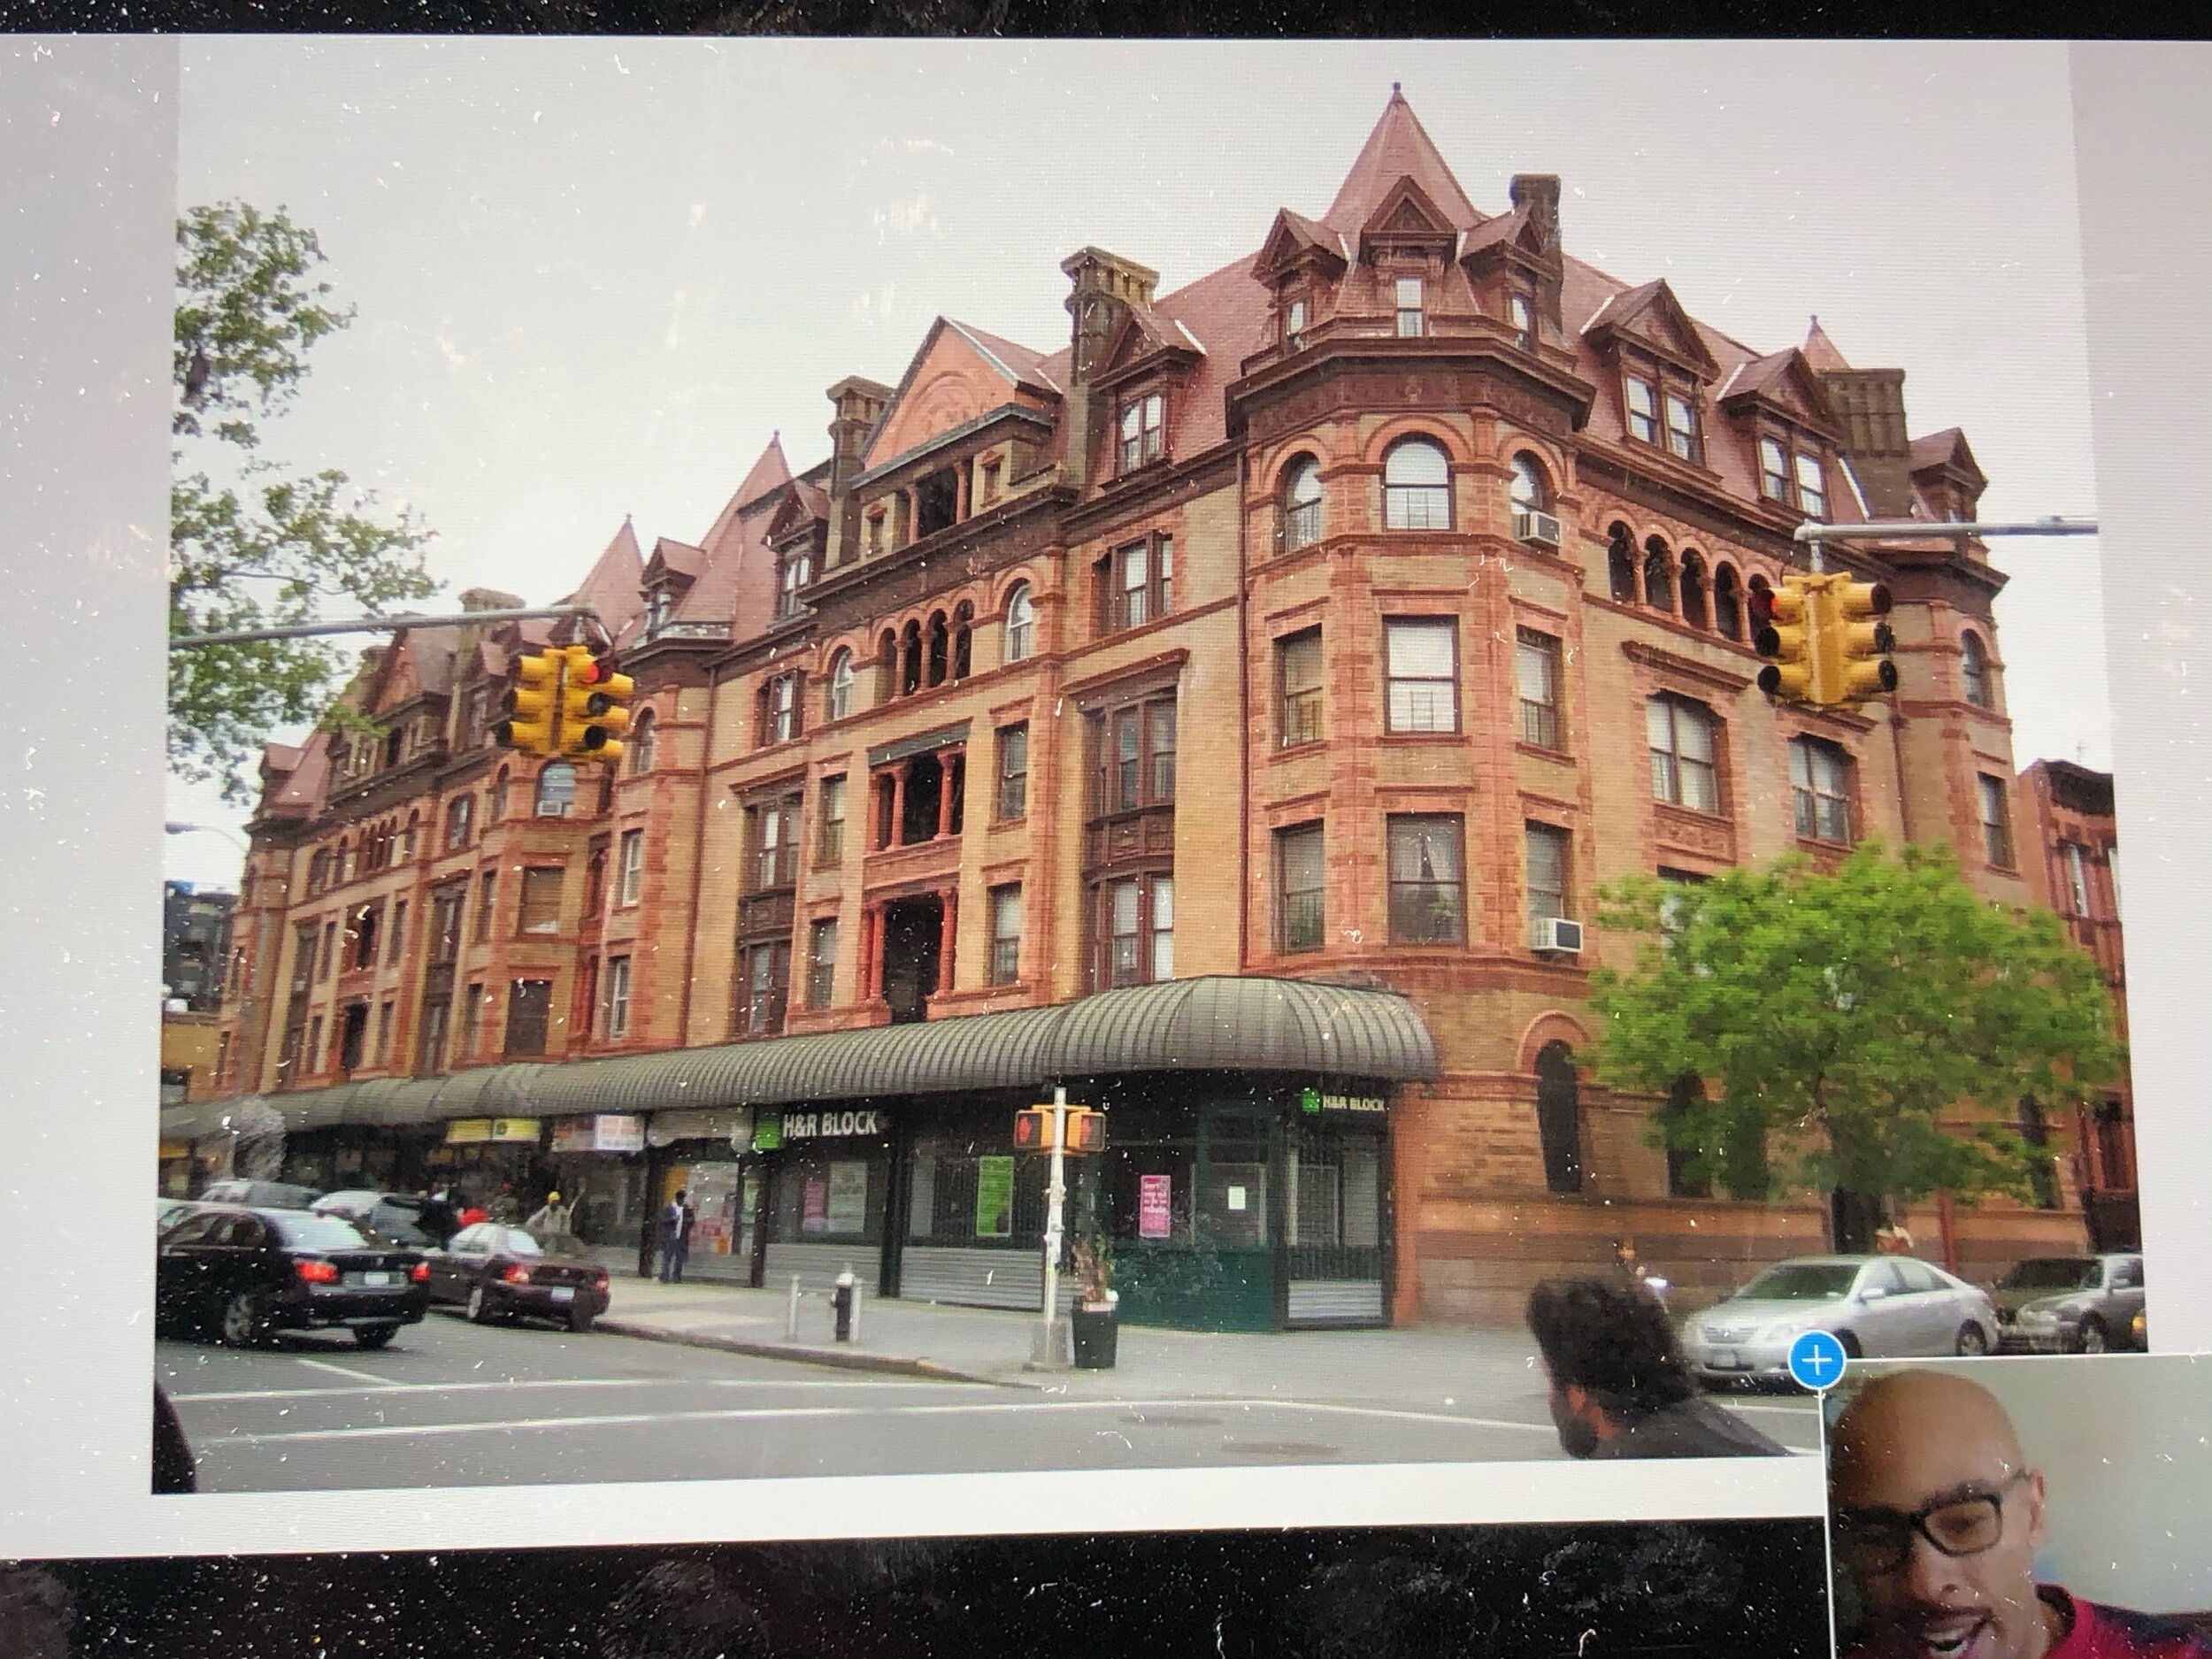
(791, 1317)
(380, 625)
(1055, 1216)
(1960, 529)
(857, 1293)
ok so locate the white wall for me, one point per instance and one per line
(2125, 1443)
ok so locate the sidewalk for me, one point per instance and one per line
(1408, 1370)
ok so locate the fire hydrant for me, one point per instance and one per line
(842, 1298)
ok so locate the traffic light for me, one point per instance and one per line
(594, 708)
(1086, 1130)
(1854, 648)
(531, 706)
(1784, 623)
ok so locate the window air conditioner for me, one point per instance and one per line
(1537, 529)
(1556, 932)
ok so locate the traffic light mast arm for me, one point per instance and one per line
(390, 625)
(1813, 533)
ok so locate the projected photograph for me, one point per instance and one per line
(1123, 772)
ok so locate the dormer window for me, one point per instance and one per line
(1411, 310)
(875, 532)
(1682, 435)
(656, 609)
(1143, 431)
(1812, 488)
(1774, 471)
(1523, 317)
(1643, 410)
(990, 482)
(795, 570)
(1295, 317)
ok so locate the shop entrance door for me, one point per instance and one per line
(1333, 1243)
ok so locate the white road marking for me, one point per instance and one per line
(630, 1419)
(552, 1382)
(366, 1376)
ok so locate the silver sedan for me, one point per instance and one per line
(1876, 1306)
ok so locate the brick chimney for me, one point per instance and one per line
(1539, 194)
(1871, 405)
(859, 404)
(1105, 285)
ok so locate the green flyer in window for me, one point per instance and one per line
(995, 1198)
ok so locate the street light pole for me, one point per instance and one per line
(1813, 533)
(1056, 1214)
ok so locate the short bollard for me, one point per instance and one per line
(791, 1316)
(842, 1298)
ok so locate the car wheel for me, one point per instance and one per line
(1973, 1340)
(374, 1335)
(243, 1325)
(2093, 1339)
(479, 1306)
(1850, 1345)
(579, 1320)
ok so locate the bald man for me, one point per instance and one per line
(1938, 1518)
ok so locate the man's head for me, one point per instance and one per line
(681, 1195)
(1938, 1519)
(552, 1198)
(1611, 1355)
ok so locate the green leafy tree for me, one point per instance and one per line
(1838, 1020)
(264, 546)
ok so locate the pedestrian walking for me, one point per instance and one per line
(551, 1218)
(675, 1234)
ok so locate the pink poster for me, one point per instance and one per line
(1153, 1194)
(815, 1216)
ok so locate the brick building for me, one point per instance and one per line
(1213, 715)
(2075, 870)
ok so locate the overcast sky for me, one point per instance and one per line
(593, 278)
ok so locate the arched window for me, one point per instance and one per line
(939, 648)
(1021, 623)
(1727, 602)
(642, 737)
(839, 702)
(1694, 611)
(1658, 576)
(962, 639)
(1529, 492)
(1559, 1117)
(1620, 565)
(910, 660)
(1301, 504)
(345, 863)
(317, 873)
(1974, 673)
(1418, 486)
(458, 817)
(496, 808)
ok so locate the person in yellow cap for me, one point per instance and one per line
(551, 1218)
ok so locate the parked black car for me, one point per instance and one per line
(261, 1195)
(398, 1217)
(498, 1272)
(246, 1274)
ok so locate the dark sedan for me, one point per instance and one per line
(247, 1274)
(500, 1272)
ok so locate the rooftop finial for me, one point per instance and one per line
(1393, 89)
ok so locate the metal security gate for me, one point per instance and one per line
(1332, 1225)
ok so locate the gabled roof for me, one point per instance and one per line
(1294, 236)
(1021, 366)
(769, 472)
(677, 558)
(1495, 233)
(955, 376)
(1821, 352)
(1407, 213)
(1943, 449)
(1398, 148)
(1674, 329)
(805, 504)
(1784, 379)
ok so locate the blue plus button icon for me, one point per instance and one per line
(1817, 1360)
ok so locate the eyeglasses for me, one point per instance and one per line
(1876, 1541)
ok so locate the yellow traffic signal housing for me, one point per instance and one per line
(1086, 1130)
(594, 708)
(1854, 644)
(1786, 623)
(531, 705)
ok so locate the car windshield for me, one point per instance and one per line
(305, 1232)
(275, 1196)
(2054, 1272)
(515, 1241)
(1801, 1281)
(398, 1225)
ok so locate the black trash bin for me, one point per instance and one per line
(1095, 1332)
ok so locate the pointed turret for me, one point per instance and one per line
(1399, 148)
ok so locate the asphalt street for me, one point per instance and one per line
(453, 1404)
